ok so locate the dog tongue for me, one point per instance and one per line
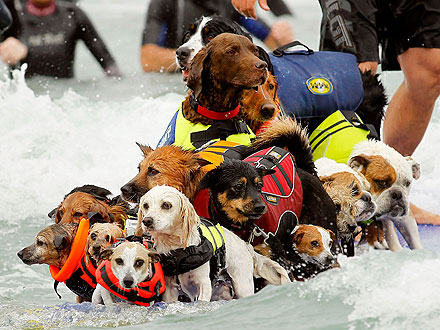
(185, 74)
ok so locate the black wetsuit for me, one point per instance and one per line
(5, 17)
(359, 26)
(51, 40)
(167, 20)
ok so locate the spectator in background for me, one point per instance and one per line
(44, 35)
(167, 21)
(5, 17)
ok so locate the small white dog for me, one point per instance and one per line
(390, 175)
(128, 271)
(170, 218)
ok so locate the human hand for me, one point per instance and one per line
(281, 32)
(368, 66)
(247, 7)
(12, 51)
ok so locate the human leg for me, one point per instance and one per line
(411, 107)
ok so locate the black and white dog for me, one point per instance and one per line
(199, 34)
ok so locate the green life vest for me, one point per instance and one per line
(192, 136)
(335, 137)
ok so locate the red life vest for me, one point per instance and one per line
(282, 192)
(88, 271)
(142, 294)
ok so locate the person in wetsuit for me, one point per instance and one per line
(5, 17)
(44, 35)
(167, 21)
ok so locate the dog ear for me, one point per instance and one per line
(415, 167)
(145, 149)
(61, 241)
(263, 55)
(209, 179)
(154, 256)
(332, 236)
(359, 162)
(195, 71)
(188, 216)
(297, 237)
(326, 179)
(106, 254)
(58, 216)
(264, 171)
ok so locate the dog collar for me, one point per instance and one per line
(212, 114)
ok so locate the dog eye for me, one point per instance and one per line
(315, 243)
(259, 186)
(40, 242)
(382, 184)
(77, 214)
(407, 184)
(145, 206)
(210, 37)
(93, 236)
(152, 171)
(271, 86)
(256, 51)
(354, 191)
(139, 263)
(61, 212)
(231, 51)
(107, 238)
(238, 186)
(119, 261)
(338, 208)
(167, 206)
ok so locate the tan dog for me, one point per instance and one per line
(131, 263)
(51, 245)
(78, 204)
(345, 207)
(101, 236)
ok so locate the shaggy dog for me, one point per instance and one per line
(101, 236)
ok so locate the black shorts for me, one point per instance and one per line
(359, 26)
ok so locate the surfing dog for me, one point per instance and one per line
(51, 245)
(390, 176)
(101, 236)
(128, 271)
(174, 225)
(80, 201)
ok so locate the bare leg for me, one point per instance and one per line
(411, 107)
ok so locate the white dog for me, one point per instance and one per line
(390, 175)
(130, 273)
(171, 220)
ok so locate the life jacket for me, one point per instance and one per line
(282, 193)
(211, 248)
(83, 281)
(181, 132)
(142, 294)
(336, 136)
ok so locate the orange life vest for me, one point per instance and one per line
(142, 294)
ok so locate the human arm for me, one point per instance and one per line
(12, 51)
(157, 58)
(95, 44)
(279, 34)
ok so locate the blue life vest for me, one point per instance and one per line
(316, 84)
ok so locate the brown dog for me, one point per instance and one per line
(51, 245)
(261, 105)
(168, 165)
(101, 236)
(78, 204)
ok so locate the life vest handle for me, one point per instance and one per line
(76, 252)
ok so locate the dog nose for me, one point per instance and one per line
(128, 282)
(127, 189)
(96, 249)
(259, 208)
(396, 195)
(261, 65)
(366, 198)
(352, 227)
(267, 110)
(182, 53)
(20, 254)
(147, 221)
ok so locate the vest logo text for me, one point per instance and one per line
(319, 85)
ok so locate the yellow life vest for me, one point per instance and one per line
(335, 137)
(185, 137)
(213, 233)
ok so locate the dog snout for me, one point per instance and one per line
(182, 53)
(260, 208)
(261, 65)
(366, 198)
(128, 282)
(148, 222)
(396, 195)
(127, 189)
(26, 256)
(96, 249)
(267, 110)
(352, 227)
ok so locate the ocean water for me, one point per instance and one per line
(56, 135)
